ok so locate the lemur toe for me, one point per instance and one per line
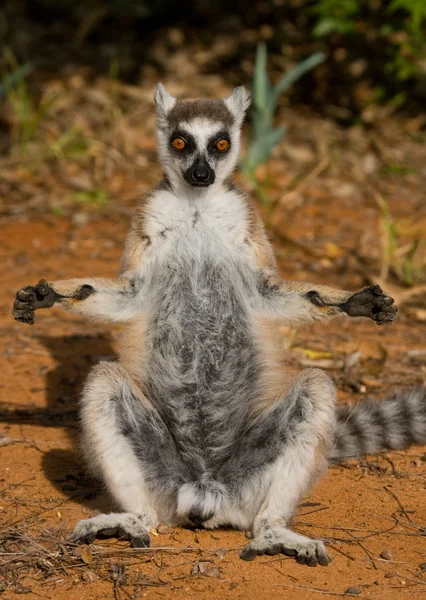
(312, 555)
(273, 550)
(26, 294)
(322, 557)
(90, 538)
(20, 304)
(384, 301)
(374, 289)
(86, 538)
(43, 288)
(22, 312)
(387, 315)
(140, 541)
(302, 559)
(248, 553)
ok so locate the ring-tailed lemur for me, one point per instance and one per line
(198, 423)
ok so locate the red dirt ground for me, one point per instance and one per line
(362, 509)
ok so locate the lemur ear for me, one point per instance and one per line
(238, 102)
(163, 101)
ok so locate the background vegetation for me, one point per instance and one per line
(77, 78)
(375, 48)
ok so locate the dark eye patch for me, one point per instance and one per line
(186, 137)
(211, 146)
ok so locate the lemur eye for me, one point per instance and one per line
(178, 143)
(222, 145)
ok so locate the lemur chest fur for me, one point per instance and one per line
(201, 360)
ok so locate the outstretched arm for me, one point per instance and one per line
(296, 302)
(103, 299)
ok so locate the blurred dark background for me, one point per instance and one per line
(375, 48)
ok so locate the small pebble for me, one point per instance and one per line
(79, 219)
(386, 555)
(353, 590)
(89, 576)
(164, 530)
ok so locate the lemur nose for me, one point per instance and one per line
(201, 173)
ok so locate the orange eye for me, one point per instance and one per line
(222, 145)
(178, 144)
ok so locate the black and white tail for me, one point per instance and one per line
(372, 426)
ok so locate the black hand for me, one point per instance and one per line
(373, 303)
(31, 298)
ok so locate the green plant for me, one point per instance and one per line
(265, 98)
(334, 16)
(342, 16)
(11, 79)
(416, 10)
(394, 29)
(27, 114)
(96, 196)
(69, 145)
(400, 259)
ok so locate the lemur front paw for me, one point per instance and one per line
(125, 526)
(280, 540)
(31, 298)
(373, 303)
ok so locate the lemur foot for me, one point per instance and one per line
(31, 298)
(122, 525)
(280, 540)
(372, 302)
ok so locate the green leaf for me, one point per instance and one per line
(416, 10)
(292, 76)
(261, 84)
(11, 80)
(261, 148)
(330, 25)
(96, 195)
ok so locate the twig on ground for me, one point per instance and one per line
(409, 519)
(317, 590)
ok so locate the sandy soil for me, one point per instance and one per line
(372, 512)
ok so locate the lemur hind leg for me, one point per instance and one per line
(298, 431)
(125, 442)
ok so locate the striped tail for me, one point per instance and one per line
(372, 426)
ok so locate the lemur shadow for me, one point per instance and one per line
(74, 355)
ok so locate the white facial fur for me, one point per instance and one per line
(199, 122)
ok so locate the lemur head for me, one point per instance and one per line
(199, 140)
